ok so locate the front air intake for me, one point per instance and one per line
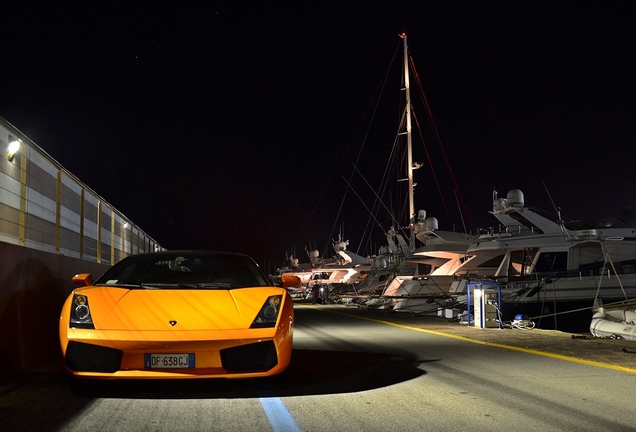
(81, 357)
(256, 357)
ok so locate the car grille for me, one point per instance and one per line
(256, 357)
(81, 357)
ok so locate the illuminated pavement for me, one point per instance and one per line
(371, 370)
(613, 352)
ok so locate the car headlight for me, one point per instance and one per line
(81, 313)
(268, 315)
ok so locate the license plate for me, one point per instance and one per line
(168, 361)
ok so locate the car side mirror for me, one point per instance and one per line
(83, 279)
(287, 281)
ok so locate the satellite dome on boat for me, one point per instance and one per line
(380, 263)
(514, 198)
(340, 246)
(314, 254)
(431, 223)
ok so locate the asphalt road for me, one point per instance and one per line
(351, 372)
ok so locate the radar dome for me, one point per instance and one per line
(341, 246)
(514, 198)
(431, 223)
(380, 263)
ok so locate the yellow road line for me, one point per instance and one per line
(498, 345)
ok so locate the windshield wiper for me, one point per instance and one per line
(210, 285)
(221, 285)
(118, 285)
(159, 285)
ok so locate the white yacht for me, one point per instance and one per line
(342, 272)
(553, 271)
(550, 271)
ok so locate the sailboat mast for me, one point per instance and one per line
(409, 145)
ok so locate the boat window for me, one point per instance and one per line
(409, 269)
(611, 222)
(424, 269)
(493, 262)
(521, 262)
(552, 261)
(622, 267)
(628, 266)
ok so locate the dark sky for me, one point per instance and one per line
(221, 126)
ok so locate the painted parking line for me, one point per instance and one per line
(280, 419)
(495, 344)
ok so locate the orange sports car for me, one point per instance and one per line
(177, 314)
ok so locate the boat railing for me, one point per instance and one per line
(508, 231)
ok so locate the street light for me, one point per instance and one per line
(12, 149)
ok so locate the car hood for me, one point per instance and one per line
(201, 309)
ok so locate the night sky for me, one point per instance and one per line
(237, 127)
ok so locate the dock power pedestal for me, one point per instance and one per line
(487, 304)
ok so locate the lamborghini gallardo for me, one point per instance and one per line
(177, 314)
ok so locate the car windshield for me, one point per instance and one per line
(185, 269)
